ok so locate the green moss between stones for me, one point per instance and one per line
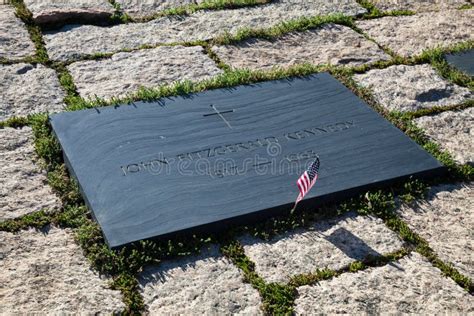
(354, 267)
(301, 24)
(373, 12)
(35, 32)
(277, 299)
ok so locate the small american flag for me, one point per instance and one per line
(307, 180)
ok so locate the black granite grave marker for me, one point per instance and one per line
(464, 61)
(228, 156)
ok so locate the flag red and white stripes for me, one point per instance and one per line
(307, 180)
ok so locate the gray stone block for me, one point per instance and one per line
(15, 40)
(125, 73)
(332, 44)
(207, 284)
(212, 145)
(45, 272)
(145, 8)
(410, 88)
(418, 5)
(73, 42)
(408, 286)
(410, 35)
(23, 185)
(27, 89)
(63, 11)
(453, 131)
(446, 221)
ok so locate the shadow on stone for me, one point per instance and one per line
(354, 247)
(351, 245)
(433, 95)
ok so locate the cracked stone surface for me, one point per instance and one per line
(408, 286)
(54, 11)
(446, 221)
(127, 72)
(44, 272)
(331, 44)
(453, 131)
(418, 5)
(333, 243)
(206, 284)
(140, 9)
(27, 89)
(23, 185)
(410, 88)
(73, 42)
(410, 35)
(15, 42)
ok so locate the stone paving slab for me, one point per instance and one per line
(331, 44)
(15, 42)
(27, 89)
(410, 88)
(453, 131)
(408, 286)
(60, 11)
(205, 284)
(446, 221)
(410, 35)
(138, 9)
(333, 243)
(127, 72)
(74, 42)
(418, 5)
(23, 185)
(44, 272)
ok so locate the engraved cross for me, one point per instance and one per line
(217, 112)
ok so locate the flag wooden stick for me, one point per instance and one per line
(294, 208)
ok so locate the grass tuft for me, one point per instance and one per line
(373, 12)
(36, 220)
(354, 267)
(15, 122)
(35, 32)
(466, 6)
(129, 287)
(301, 24)
(119, 15)
(228, 79)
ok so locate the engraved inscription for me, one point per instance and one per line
(247, 146)
(290, 164)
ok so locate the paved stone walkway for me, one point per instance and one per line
(101, 49)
